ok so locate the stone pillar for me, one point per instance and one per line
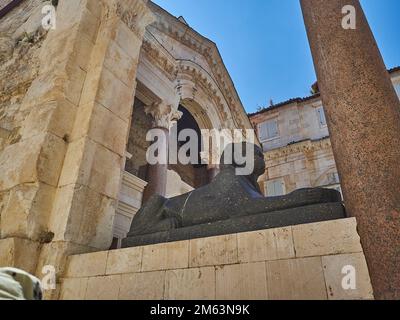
(64, 174)
(164, 115)
(363, 114)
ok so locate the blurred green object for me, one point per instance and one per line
(16, 284)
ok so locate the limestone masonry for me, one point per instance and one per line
(76, 103)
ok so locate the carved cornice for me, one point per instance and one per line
(303, 146)
(135, 14)
(201, 80)
(166, 64)
(210, 52)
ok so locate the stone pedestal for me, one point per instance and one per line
(363, 115)
(301, 262)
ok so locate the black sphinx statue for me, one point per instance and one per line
(231, 203)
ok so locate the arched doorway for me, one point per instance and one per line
(193, 174)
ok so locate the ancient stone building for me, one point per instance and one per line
(295, 138)
(76, 103)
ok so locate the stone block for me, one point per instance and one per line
(75, 209)
(122, 65)
(91, 164)
(19, 253)
(246, 281)
(102, 126)
(115, 95)
(142, 286)
(124, 261)
(190, 284)
(272, 244)
(103, 288)
(56, 117)
(335, 274)
(73, 289)
(326, 238)
(37, 158)
(128, 40)
(25, 211)
(7, 248)
(166, 256)
(296, 279)
(56, 253)
(87, 265)
(78, 13)
(64, 81)
(213, 251)
(67, 48)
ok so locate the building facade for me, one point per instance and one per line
(295, 138)
(76, 105)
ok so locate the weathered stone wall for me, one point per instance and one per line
(21, 37)
(306, 164)
(61, 176)
(300, 262)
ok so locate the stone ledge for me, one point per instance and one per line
(278, 219)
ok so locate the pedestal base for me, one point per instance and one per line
(289, 217)
(299, 262)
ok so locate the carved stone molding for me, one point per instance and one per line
(210, 52)
(166, 64)
(135, 14)
(172, 27)
(163, 114)
(303, 146)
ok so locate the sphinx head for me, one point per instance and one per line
(246, 158)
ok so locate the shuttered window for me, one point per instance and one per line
(268, 130)
(275, 188)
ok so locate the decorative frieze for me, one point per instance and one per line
(164, 63)
(303, 146)
(135, 14)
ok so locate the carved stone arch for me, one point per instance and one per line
(194, 83)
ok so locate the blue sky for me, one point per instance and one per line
(264, 43)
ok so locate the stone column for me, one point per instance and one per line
(363, 114)
(164, 115)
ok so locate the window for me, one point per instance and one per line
(321, 116)
(268, 130)
(275, 188)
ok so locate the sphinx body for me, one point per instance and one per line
(227, 198)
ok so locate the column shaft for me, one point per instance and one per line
(157, 174)
(363, 114)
